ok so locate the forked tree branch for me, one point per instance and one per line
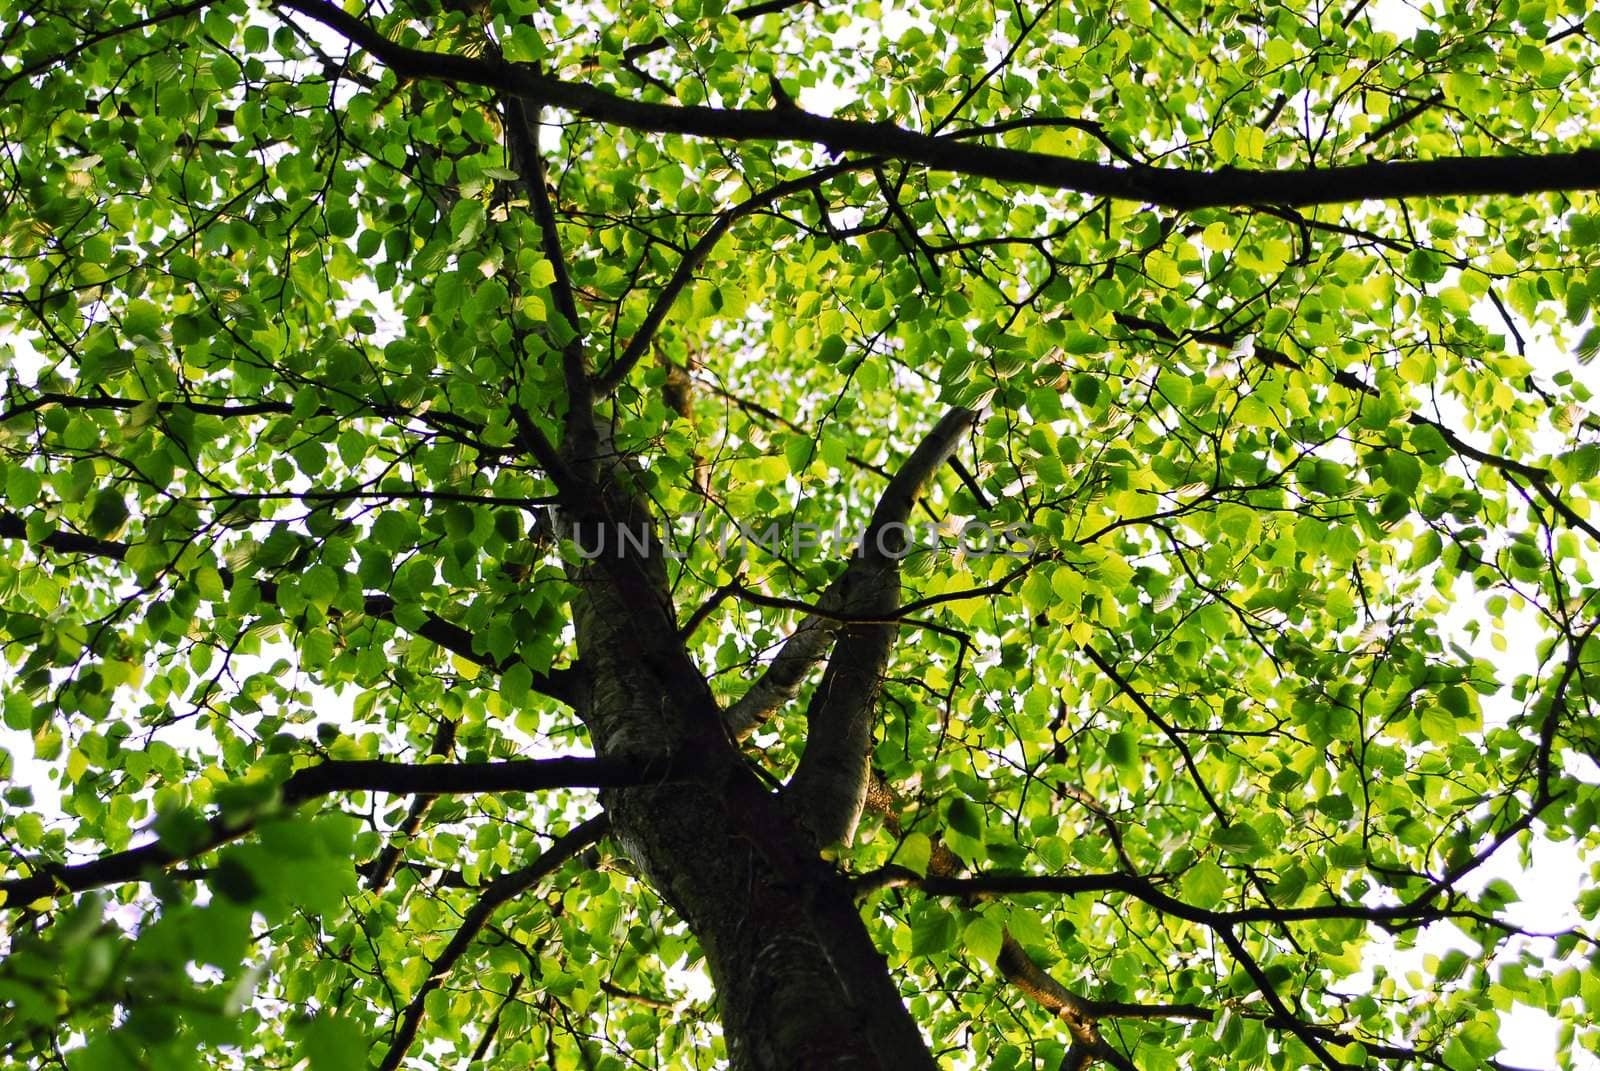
(1418, 911)
(784, 675)
(1264, 985)
(683, 275)
(1082, 1014)
(498, 892)
(522, 135)
(830, 782)
(1542, 479)
(378, 872)
(809, 641)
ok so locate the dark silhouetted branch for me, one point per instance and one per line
(1172, 187)
(528, 775)
(448, 635)
(497, 893)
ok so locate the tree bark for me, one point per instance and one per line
(799, 982)
(830, 784)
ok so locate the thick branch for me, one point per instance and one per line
(1275, 1001)
(380, 870)
(1021, 971)
(446, 423)
(522, 134)
(441, 779)
(787, 672)
(830, 783)
(1390, 916)
(368, 776)
(1172, 187)
(803, 649)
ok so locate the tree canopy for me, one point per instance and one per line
(619, 535)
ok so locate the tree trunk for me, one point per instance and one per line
(799, 982)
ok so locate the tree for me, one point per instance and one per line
(985, 532)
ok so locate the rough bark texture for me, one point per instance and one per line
(830, 785)
(799, 981)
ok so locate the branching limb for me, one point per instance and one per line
(1275, 1001)
(26, 403)
(830, 783)
(1421, 909)
(1030, 979)
(809, 641)
(462, 778)
(1161, 723)
(635, 53)
(27, 71)
(1542, 480)
(381, 869)
(482, 1048)
(1082, 1014)
(528, 775)
(787, 671)
(695, 257)
(503, 889)
(522, 134)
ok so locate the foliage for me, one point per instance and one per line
(1289, 642)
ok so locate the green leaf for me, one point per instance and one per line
(1402, 471)
(208, 582)
(541, 273)
(1238, 839)
(1205, 884)
(1122, 751)
(965, 818)
(108, 512)
(22, 486)
(983, 938)
(1438, 725)
(1037, 594)
(142, 320)
(1588, 345)
(934, 932)
(1083, 342)
(798, 451)
(1454, 698)
(915, 851)
(1086, 389)
(333, 1043)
